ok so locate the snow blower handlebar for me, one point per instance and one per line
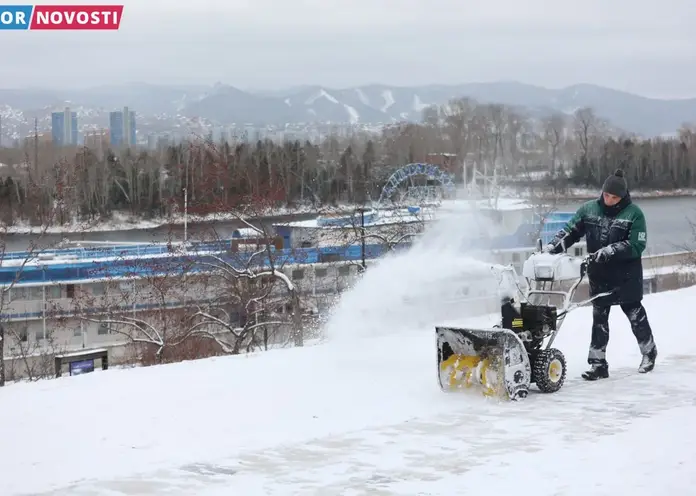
(557, 268)
(588, 259)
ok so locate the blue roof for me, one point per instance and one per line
(193, 262)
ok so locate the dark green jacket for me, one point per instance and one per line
(623, 228)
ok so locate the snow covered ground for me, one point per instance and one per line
(362, 417)
(125, 222)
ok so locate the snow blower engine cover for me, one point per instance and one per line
(547, 267)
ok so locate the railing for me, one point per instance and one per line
(664, 260)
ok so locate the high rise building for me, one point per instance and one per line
(64, 128)
(122, 128)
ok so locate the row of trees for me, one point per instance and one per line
(581, 148)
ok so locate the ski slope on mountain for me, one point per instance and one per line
(361, 417)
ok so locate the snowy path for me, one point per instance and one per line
(584, 441)
(366, 418)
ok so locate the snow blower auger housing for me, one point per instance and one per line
(503, 361)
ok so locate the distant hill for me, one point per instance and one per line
(373, 104)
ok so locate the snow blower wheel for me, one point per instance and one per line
(549, 371)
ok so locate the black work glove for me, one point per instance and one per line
(602, 255)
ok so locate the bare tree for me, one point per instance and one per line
(31, 359)
(554, 131)
(588, 129)
(249, 304)
(30, 354)
(250, 279)
(142, 299)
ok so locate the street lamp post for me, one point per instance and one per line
(185, 216)
(362, 236)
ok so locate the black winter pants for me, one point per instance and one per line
(600, 330)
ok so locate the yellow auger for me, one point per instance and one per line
(466, 371)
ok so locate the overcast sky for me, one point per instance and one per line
(644, 46)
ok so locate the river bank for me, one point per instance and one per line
(669, 219)
(124, 222)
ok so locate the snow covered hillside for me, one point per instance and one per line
(361, 417)
(164, 108)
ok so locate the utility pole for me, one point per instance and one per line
(362, 233)
(36, 145)
(185, 216)
(362, 236)
(362, 215)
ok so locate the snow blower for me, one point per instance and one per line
(504, 360)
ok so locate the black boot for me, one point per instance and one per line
(648, 362)
(597, 371)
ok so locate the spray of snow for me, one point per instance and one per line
(435, 282)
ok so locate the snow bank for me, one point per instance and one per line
(125, 222)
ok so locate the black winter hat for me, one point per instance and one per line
(616, 184)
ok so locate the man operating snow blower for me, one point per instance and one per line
(615, 231)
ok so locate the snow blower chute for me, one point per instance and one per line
(503, 361)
